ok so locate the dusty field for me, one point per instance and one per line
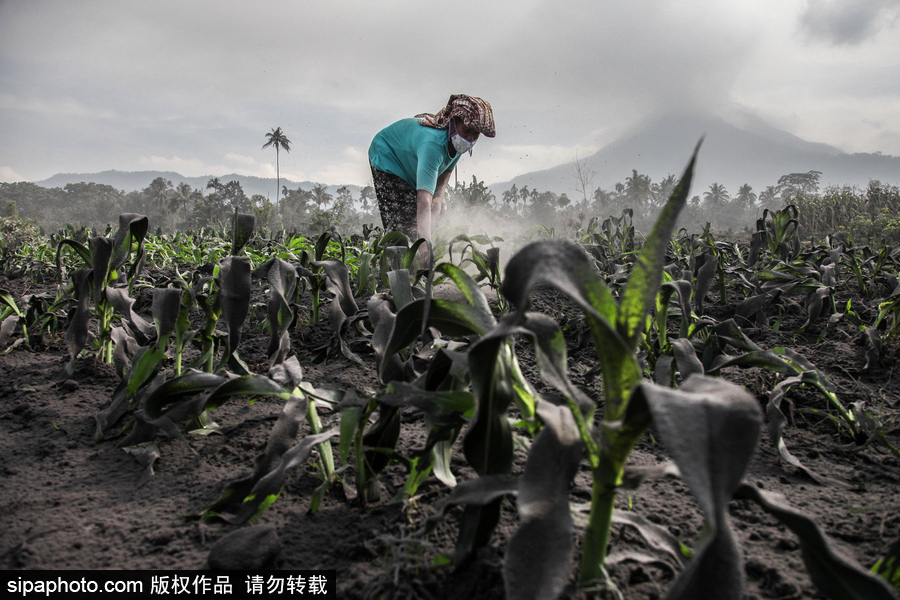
(67, 502)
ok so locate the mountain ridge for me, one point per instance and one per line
(129, 181)
(732, 154)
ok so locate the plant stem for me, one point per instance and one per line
(607, 478)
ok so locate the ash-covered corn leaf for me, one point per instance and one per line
(123, 304)
(837, 576)
(234, 284)
(77, 329)
(711, 428)
(540, 553)
(242, 231)
(282, 277)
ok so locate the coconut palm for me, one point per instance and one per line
(180, 198)
(320, 195)
(367, 195)
(277, 138)
(216, 185)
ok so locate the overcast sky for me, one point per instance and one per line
(193, 86)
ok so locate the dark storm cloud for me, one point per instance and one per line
(848, 22)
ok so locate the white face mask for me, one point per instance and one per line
(460, 144)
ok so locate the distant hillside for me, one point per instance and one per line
(750, 151)
(137, 180)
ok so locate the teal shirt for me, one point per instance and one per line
(415, 153)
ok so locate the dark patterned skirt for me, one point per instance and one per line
(396, 202)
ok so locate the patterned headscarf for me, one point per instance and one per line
(474, 112)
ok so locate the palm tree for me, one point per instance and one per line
(320, 195)
(216, 185)
(663, 190)
(366, 195)
(746, 197)
(715, 201)
(637, 191)
(277, 138)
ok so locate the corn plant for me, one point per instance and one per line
(184, 399)
(710, 427)
(777, 232)
(102, 263)
(311, 270)
(146, 362)
(486, 263)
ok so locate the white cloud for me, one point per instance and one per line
(8, 175)
(231, 157)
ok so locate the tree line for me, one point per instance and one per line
(311, 211)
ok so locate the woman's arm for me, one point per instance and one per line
(424, 204)
(429, 207)
(437, 203)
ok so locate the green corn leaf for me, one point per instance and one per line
(540, 552)
(248, 385)
(711, 428)
(639, 296)
(322, 244)
(351, 411)
(172, 391)
(145, 366)
(452, 319)
(470, 290)
(7, 299)
(835, 575)
(551, 353)
(80, 250)
(888, 567)
(565, 266)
